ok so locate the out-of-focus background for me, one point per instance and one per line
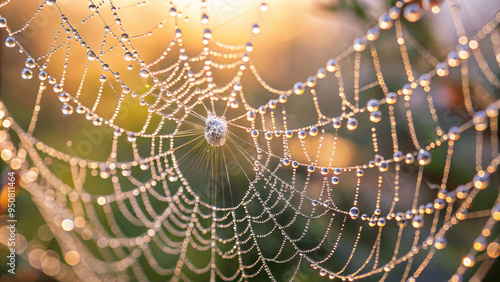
(297, 37)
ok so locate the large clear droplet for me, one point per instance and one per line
(352, 123)
(354, 212)
(91, 56)
(64, 97)
(27, 73)
(3, 22)
(128, 56)
(144, 73)
(10, 42)
(30, 63)
(67, 109)
(413, 12)
(424, 157)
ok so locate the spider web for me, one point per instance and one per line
(151, 199)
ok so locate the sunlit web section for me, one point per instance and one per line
(193, 167)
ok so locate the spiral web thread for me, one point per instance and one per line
(284, 198)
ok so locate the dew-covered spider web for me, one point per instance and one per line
(154, 148)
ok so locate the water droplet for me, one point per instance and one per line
(440, 243)
(480, 121)
(255, 29)
(462, 192)
(80, 109)
(354, 212)
(492, 111)
(439, 204)
(298, 88)
(480, 244)
(128, 56)
(64, 97)
(144, 166)
(463, 52)
(3, 22)
(495, 212)
(442, 69)
(250, 115)
(10, 42)
(30, 63)
(321, 73)
(417, 221)
(398, 156)
(468, 261)
(204, 19)
(254, 133)
(43, 75)
(91, 56)
(360, 172)
(372, 105)
(394, 12)
(67, 109)
(453, 59)
(282, 99)
(376, 116)
(173, 12)
(412, 12)
(313, 131)
(391, 98)
(481, 180)
(424, 80)
(332, 65)
(372, 222)
(373, 33)
(57, 88)
(144, 73)
(302, 135)
(97, 121)
(336, 123)
(268, 135)
(359, 44)
(310, 168)
(407, 89)
(454, 133)
(207, 33)
(383, 166)
(409, 158)
(424, 157)
(263, 7)
(385, 21)
(51, 2)
(27, 73)
(311, 81)
(335, 180)
(352, 123)
(103, 78)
